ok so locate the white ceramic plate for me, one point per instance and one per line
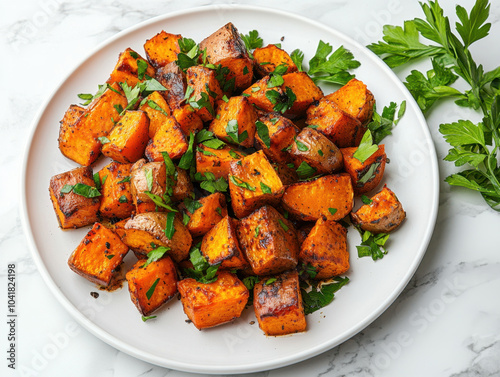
(237, 347)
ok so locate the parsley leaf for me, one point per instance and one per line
(151, 290)
(202, 271)
(81, 189)
(210, 183)
(192, 205)
(265, 188)
(372, 245)
(382, 124)
(332, 67)
(155, 255)
(234, 180)
(263, 133)
(187, 160)
(170, 227)
(315, 299)
(305, 171)
(252, 40)
(297, 57)
(366, 148)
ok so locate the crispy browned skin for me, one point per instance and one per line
(155, 223)
(168, 138)
(126, 69)
(256, 171)
(73, 210)
(384, 214)
(78, 140)
(309, 201)
(183, 186)
(325, 248)
(267, 58)
(203, 82)
(356, 100)
(288, 175)
(216, 161)
(303, 231)
(281, 134)
(236, 109)
(374, 166)
(128, 139)
(156, 117)
(269, 241)
(188, 120)
(305, 90)
(162, 274)
(220, 245)
(116, 199)
(278, 305)
(162, 48)
(317, 151)
(139, 184)
(172, 78)
(213, 209)
(225, 47)
(208, 305)
(98, 255)
(256, 94)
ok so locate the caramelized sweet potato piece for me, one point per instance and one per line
(73, 210)
(116, 199)
(303, 232)
(183, 186)
(205, 88)
(98, 255)
(367, 175)
(127, 69)
(252, 183)
(152, 286)
(256, 94)
(162, 48)
(128, 139)
(341, 128)
(79, 140)
(238, 116)
(305, 90)
(168, 138)
(157, 110)
(188, 120)
(139, 184)
(384, 214)
(278, 305)
(281, 133)
(317, 151)
(267, 58)
(216, 161)
(208, 305)
(225, 47)
(172, 78)
(287, 174)
(330, 197)
(325, 248)
(220, 245)
(212, 210)
(269, 241)
(356, 100)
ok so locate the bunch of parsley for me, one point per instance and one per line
(475, 146)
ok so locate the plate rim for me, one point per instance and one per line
(243, 368)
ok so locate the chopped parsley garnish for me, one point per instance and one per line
(110, 256)
(126, 179)
(382, 124)
(270, 281)
(156, 254)
(283, 225)
(263, 132)
(201, 271)
(300, 145)
(192, 205)
(241, 183)
(104, 140)
(265, 188)
(156, 107)
(149, 178)
(170, 228)
(332, 211)
(257, 229)
(370, 173)
(316, 299)
(82, 190)
(297, 57)
(123, 199)
(233, 134)
(305, 171)
(366, 148)
(366, 200)
(151, 290)
(187, 160)
(147, 318)
(372, 245)
(210, 183)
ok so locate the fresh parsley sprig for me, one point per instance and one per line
(201, 271)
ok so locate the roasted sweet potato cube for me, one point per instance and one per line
(116, 198)
(98, 255)
(356, 100)
(235, 122)
(220, 245)
(155, 223)
(73, 210)
(225, 47)
(367, 175)
(256, 95)
(305, 90)
(341, 128)
(384, 214)
(281, 133)
(287, 174)
(172, 78)
(325, 248)
(128, 139)
(157, 110)
(168, 138)
(162, 48)
(79, 140)
(267, 58)
(188, 119)
(216, 161)
(205, 91)
(278, 305)
(152, 286)
(269, 241)
(252, 183)
(139, 184)
(208, 305)
(212, 209)
(127, 69)
(303, 232)
(183, 187)
(317, 151)
(330, 196)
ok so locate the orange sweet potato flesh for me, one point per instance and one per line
(278, 305)
(367, 175)
(172, 78)
(257, 173)
(78, 140)
(341, 128)
(126, 69)
(188, 120)
(356, 100)
(216, 161)
(156, 117)
(73, 210)
(256, 94)
(159, 278)
(128, 139)
(213, 209)
(305, 90)
(325, 248)
(204, 84)
(268, 58)
(168, 138)
(209, 305)
(139, 184)
(98, 255)
(330, 196)
(116, 198)
(383, 215)
(220, 245)
(269, 241)
(281, 134)
(162, 48)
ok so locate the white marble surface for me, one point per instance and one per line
(445, 323)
